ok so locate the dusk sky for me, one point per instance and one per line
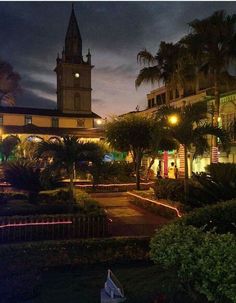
(32, 33)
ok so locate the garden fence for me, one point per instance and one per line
(23, 229)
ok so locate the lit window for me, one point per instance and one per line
(55, 122)
(1, 120)
(28, 120)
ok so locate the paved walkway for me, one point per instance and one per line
(127, 219)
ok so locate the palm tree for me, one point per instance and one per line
(191, 130)
(66, 154)
(192, 59)
(24, 175)
(218, 43)
(163, 67)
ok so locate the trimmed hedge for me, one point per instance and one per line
(221, 217)
(74, 252)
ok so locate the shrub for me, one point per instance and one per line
(173, 190)
(202, 191)
(169, 189)
(204, 262)
(49, 202)
(114, 172)
(221, 217)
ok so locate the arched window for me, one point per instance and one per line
(77, 102)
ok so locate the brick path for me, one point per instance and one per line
(127, 219)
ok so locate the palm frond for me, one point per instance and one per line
(144, 57)
(148, 75)
(218, 132)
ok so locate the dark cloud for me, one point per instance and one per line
(29, 99)
(32, 33)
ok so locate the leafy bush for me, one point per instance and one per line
(173, 190)
(204, 262)
(109, 172)
(221, 217)
(203, 190)
(169, 189)
(218, 183)
(49, 202)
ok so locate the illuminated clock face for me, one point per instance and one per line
(76, 75)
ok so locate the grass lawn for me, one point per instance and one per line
(142, 283)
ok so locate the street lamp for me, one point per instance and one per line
(173, 119)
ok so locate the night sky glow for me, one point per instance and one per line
(32, 33)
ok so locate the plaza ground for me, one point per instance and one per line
(127, 219)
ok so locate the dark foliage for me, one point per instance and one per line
(220, 217)
(217, 184)
(24, 175)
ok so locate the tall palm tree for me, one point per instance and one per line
(218, 37)
(162, 67)
(67, 153)
(192, 59)
(191, 130)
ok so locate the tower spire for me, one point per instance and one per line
(73, 40)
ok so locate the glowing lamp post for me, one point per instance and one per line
(172, 120)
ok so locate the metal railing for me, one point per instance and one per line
(23, 229)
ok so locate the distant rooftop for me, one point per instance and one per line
(44, 112)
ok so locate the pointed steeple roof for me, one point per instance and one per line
(73, 41)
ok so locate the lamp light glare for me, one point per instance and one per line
(173, 119)
(99, 121)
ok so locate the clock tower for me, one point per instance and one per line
(73, 73)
